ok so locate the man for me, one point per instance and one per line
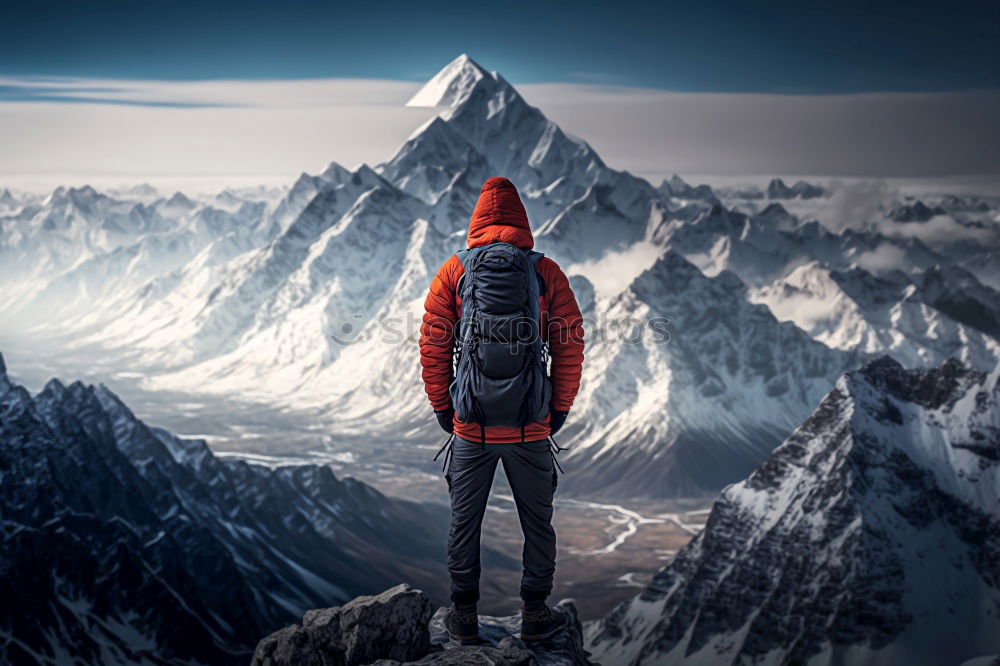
(485, 428)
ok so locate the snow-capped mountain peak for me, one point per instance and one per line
(452, 85)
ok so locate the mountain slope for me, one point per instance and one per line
(124, 544)
(890, 313)
(686, 412)
(818, 279)
(872, 535)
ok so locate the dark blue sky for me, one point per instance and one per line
(807, 46)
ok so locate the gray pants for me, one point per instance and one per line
(532, 476)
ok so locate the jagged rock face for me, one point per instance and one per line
(396, 627)
(957, 293)
(391, 625)
(873, 532)
(121, 542)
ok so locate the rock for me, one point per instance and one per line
(502, 647)
(391, 625)
(395, 628)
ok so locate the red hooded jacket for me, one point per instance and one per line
(499, 216)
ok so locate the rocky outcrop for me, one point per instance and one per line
(396, 627)
(391, 625)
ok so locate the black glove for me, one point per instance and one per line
(444, 417)
(556, 420)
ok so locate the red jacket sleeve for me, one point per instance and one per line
(564, 327)
(437, 331)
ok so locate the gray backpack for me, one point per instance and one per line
(501, 364)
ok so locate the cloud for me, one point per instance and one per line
(939, 230)
(856, 204)
(132, 129)
(657, 133)
(882, 258)
(805, 309)
(84, 95)
(151, 130)
(863, 204)
(615, 271)
(283, 93)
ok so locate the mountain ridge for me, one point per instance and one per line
(133, 545)
(869, 534)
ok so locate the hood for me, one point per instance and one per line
(499, 216)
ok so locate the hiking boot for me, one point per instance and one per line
(540, 624)
(462, 624)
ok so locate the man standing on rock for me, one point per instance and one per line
(497, 316)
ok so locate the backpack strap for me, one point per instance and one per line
(534, 258)
(465, 257)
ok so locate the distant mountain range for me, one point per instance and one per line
(245, 293)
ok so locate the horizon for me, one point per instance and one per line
(122, 132)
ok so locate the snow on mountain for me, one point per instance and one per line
(426, 164)
(688, 386)
(550, 168)
(767, 245)
(303, 191)
(387, 397)
(819, 280)
(451, 85)
(210, 308)
(124, 544)
(854, 309)
(595, 217)
(872, 535)
(289, 294)
(286, 334)
(244, 293)
(68, 256)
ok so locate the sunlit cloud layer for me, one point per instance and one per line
(85, 129)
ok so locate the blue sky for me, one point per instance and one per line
(186, 91)
(778, 47)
